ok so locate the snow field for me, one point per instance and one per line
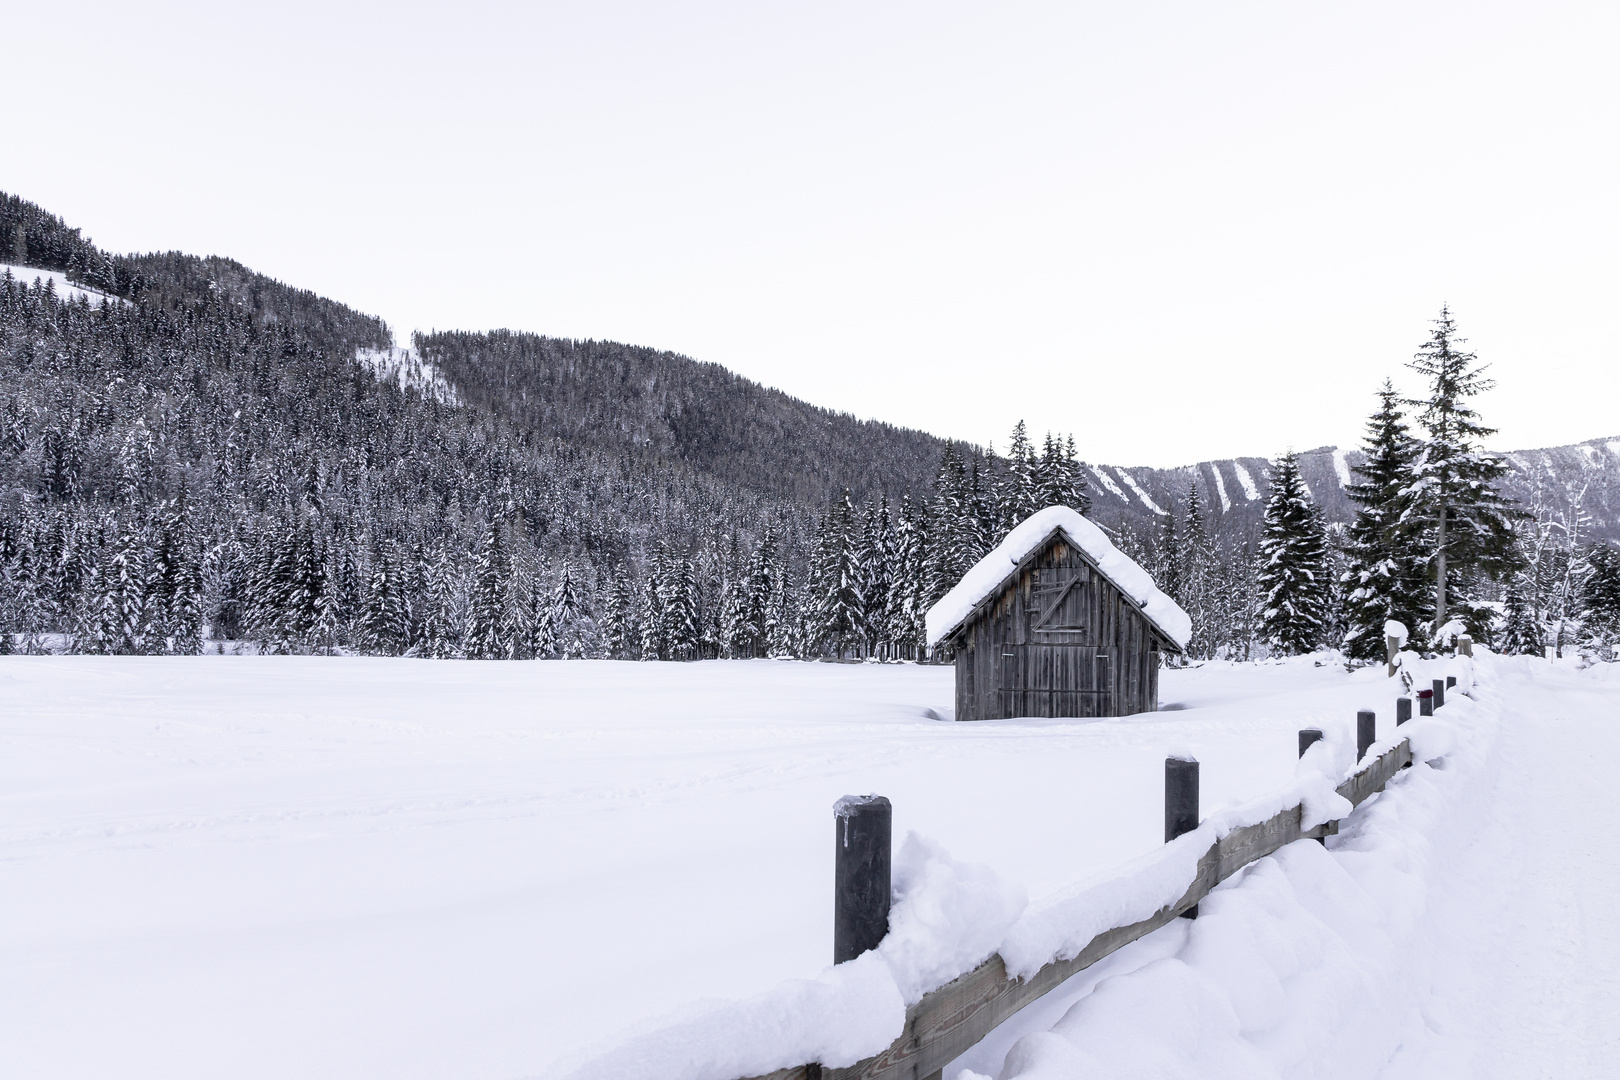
(358, 867)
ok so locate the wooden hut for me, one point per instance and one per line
(1056, 622)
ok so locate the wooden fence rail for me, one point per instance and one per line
(949, 1021)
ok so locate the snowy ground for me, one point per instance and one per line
(313, 867)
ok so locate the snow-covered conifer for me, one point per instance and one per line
(484, 638)
(1520, 635)
(1385, 577)
(1293, 565)
(1453, 491)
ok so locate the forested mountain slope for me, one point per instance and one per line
(215, 451)
(616, 397)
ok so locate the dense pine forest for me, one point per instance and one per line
(205, 459)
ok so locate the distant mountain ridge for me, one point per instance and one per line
(1234, 490)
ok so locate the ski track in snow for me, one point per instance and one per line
(1220, 487)
(1341, 466)
(1140, 494)
(1250, 492)
(1108, 482)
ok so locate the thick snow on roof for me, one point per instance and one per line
(992, 571)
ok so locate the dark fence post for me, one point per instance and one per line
(1403, 710)
(1425, 702)
(864, 827)
(1308, 737)
(1181, 804)
(1439, 692)
(1366, 731)
(1451, 680)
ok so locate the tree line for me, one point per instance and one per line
(1433, 545)
(206, 465)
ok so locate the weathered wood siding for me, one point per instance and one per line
(1058, 640)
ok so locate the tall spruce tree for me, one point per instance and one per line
(1293, 565)
(485, 637)
(1520, 635)
(1600, 596)
(1385, 579)
(1197, 576)
(1453, 493)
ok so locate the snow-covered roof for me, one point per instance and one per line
(990, 573)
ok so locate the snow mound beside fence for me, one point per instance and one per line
(1300, 964)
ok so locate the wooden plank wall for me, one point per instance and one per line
(1058, 640)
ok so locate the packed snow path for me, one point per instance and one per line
(1526, 960)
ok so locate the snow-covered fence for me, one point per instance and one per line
(950, 1020)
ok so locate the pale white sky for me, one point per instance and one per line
(1180, 230)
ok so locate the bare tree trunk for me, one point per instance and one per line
(1440, 576)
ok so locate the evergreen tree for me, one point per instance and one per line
(1520, 635)
(1197, 576)
(569, 617)
(1385, 577)
(654, 627)
(620, 639)
(759, 589)
(1167, 558)
(1600, 595)
(486, 603)
(677, 593)
(442, 616)
(1453, 494)
(835, 585)
(383, 629)
(876, 568)
(1293, 565)
(1020, 489)
(908, 591)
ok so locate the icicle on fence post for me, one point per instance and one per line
(1181, 804)
(1439, 693)
(1403, 710)
(1425, 702)
(863, 828)
(1366, 732)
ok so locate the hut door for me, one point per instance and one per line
(1054, 680)
(1057, 603)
